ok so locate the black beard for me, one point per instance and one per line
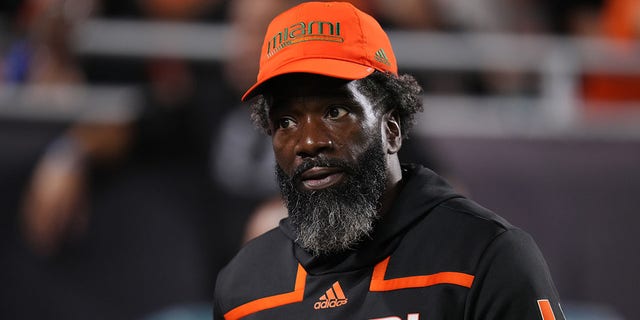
(337, 218)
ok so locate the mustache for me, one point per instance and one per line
(322, 162)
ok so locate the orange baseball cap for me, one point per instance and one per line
(333, 39)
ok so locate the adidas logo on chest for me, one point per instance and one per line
(334, 297)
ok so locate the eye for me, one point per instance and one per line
(284, 123)
(337, 112)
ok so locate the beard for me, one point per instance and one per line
(337, 218)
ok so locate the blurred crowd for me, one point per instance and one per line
(123, 219)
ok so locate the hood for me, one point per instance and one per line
(422, 191)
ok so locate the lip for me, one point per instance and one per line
(321, 177)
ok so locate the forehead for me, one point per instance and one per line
(283, 90)
(305, 84)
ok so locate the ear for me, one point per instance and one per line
(392, 133)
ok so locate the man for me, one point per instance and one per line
(366, 237)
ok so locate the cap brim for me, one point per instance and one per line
(327, 67)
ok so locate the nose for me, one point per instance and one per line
(314, 139)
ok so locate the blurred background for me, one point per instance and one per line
(130, 172)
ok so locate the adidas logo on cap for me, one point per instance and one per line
(334, 297)
(382, 57)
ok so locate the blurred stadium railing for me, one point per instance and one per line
(62, 103)
(557, 61)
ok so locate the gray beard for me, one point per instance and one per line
(337, 218)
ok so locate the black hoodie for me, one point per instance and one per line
(434, 255)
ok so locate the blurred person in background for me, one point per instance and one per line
(619, 22)
(116, 217)
(499, 17)
(241, 157)
(55, 203)
(616, 21)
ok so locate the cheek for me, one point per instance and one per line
(282, 151)
(357, 141)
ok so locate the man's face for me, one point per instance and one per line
(330, 159)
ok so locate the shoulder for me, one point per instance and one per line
(463, 219)
(486, 232)
(464, 209)
(264, 253)
(511, 276)
(260, 247)
(263, 267)
(504, 260)
(458, 231)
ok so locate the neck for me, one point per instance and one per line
(394, 183)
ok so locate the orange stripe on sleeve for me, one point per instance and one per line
(378, 283)
(545, 310)
(272, 301)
